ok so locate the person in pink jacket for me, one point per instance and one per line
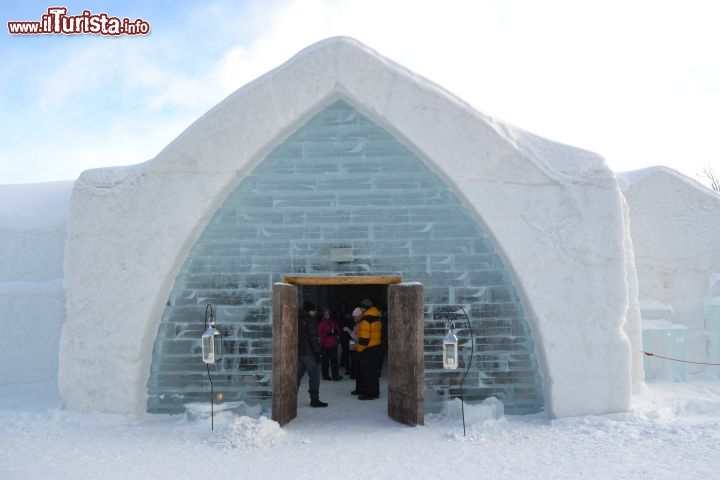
(329, 333)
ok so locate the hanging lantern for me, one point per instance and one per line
(211, 344)
(450, 348)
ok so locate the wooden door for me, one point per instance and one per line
(284, 352)
(406, 365)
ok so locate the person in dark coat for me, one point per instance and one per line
(309, 352)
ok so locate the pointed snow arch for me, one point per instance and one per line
(341, 179)
(555, 210)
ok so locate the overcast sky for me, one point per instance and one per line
(636, 81)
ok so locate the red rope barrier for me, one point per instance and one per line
(678, 360)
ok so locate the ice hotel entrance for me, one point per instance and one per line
(404, 339)
(342, 181)
(341, 150)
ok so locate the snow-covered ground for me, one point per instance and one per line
(671, 432)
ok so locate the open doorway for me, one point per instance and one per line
(340, 301)
(404, 338)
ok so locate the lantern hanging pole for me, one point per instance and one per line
(207, 366)
(211, 315)
(472, 352)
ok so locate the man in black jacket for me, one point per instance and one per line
(309, 352)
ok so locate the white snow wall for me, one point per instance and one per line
(32, 303)
(554, 211)
(32, 317)
(675, 227)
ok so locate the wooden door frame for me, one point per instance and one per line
(341, 281)
(406, 393)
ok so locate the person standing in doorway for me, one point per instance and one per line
(345, 320)
(369, 345)
(309, 352)
(329, 333)
(384, 336)
(354, 354)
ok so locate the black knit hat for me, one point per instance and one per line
(307, 306)
(366, 303)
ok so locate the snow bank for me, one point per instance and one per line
(472, 414)
(671, 431)
(554, 212)
(247, 433)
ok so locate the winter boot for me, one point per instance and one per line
(316, 403)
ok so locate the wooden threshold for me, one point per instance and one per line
(345, 280)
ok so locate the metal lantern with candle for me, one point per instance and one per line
(211, 342)
(450, 348)
(211, 339)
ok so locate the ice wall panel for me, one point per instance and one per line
(338, 180)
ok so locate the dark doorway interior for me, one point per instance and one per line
(333, 296)
(405, 340)
(341, 300)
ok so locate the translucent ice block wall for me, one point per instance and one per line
(712, 322)
(342, 180)
(664, 339)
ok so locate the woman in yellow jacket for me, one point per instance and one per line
(369, 346)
